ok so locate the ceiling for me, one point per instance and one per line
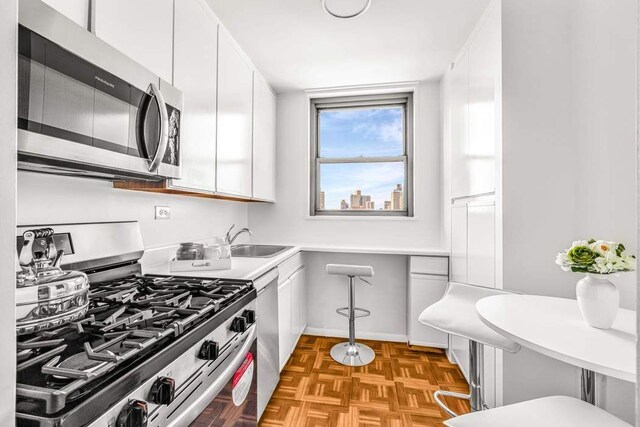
(296, 45)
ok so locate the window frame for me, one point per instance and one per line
(403, 99)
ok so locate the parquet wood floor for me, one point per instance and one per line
(396, 389)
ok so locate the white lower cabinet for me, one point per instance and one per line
(284, 321)
(459, 243)
(428, 278)
(481, 257)
(292, 313)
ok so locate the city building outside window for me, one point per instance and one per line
(361, 155)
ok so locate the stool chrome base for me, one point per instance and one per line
(476, 401)
(352, 354)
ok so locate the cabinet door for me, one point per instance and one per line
(303, 300)
(484, 63)
(264, 141)
(284, 321)
(295, 308)
(459, 243)
(196, 59)
(235, 111)
(141, 29)
(481, 245)
(460, 127)
(425, 290)
(76, 10)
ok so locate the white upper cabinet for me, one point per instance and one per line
(484, 75)
(264, 140)
(141, 29)
(195, 68)
(474, 82)
(235, 113)
(460, 126)
(76, 10)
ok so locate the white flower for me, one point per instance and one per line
(604, 248)
(596, 256)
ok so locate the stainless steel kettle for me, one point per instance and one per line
(47, 296)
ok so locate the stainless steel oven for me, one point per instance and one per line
(85, 108)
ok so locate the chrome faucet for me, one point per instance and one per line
(229, 240)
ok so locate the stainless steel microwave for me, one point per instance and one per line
(84, 108)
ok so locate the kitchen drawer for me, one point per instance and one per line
(287, 267)
(429, 265)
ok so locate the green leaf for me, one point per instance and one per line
(590, 241)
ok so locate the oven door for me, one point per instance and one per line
(230, 395)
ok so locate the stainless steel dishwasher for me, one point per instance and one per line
(268, 345)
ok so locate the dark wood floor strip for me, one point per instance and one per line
(396, 389)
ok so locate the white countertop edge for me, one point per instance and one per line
(572, 360)
(156, 260)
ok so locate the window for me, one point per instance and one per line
(361, 155)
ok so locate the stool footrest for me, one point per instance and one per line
(359, 312)
(442, 405)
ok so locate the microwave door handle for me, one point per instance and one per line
(164, 128)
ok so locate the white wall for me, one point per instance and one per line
(288, 220)
(55, 199)
(386, 299)
(569, 79)
(8, 138)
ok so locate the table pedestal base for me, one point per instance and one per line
(588, 386)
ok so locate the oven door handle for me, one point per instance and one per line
(163, 141)
(221, 381)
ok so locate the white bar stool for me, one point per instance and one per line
(351, 353)
(553, 411)
(455, 313)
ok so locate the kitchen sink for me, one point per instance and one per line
(257, 251)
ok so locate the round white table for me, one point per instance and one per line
(555, 328)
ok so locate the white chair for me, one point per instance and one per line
(351, 353)
(455, 313)
(554, 411)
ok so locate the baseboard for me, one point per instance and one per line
(362, 335)
(429, 344)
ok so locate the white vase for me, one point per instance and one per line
(598, 300)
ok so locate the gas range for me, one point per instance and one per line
(146, 344)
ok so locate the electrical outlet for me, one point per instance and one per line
(163, 212)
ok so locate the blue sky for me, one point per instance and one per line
(370, 132)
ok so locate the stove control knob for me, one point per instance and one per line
(239, 324)
(209, 350)
(163, 391)
(134, 414)
(249, 316)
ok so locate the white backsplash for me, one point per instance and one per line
(49, 199)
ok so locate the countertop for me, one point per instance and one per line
(156, 261)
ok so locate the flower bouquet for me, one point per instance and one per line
(598, 298)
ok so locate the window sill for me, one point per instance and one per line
(360, 218)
